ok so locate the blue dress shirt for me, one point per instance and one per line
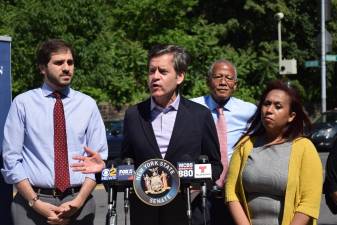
(28, 145)
(237, 113)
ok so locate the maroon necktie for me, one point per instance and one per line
(221, 128)
(60, 146)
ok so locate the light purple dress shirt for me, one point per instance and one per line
(163, 120)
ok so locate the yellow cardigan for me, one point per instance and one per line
(305, 179)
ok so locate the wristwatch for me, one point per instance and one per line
(33, 200)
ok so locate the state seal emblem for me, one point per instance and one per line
(156, 182)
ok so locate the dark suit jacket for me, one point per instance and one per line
(330, 183)
(194, 134)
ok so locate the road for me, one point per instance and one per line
(326, 217)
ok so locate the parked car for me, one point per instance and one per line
(324, 132)
(114, 135)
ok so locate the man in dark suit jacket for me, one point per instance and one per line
(166, 126)
(171, 127)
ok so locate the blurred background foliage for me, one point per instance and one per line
(111, 39)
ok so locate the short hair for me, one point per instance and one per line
(45, 50)
(181, 58)
(295, 128)
(224, 61)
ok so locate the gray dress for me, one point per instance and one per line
(265, 179)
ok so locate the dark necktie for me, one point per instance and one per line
(221, 128)
(60, 146)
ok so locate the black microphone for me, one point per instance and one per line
(203, 171)
(125, 175)
(186, 174)
(109, 179)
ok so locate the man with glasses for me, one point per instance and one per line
(231, 116)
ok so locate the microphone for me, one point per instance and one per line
(203, 171)
(109, 179)
(126, 175)
(186, 174)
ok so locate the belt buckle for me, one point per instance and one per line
(54, 193)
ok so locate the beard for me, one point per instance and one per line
(58, 81)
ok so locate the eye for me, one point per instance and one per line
(278, 106)
(216, 76)
(152, 70)
(162, 71)
(266, 103)
(229, 78)
(70, 62)
(58, 63)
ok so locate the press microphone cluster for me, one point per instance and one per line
(195, 175)
(118, 178)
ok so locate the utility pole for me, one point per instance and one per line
(323, 53)
(279, 16)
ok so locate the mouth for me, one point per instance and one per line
(268, 119)
(155, 86)
(222, 90)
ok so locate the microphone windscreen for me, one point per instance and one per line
(128, 161)
(203, 159)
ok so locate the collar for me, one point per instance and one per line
(48, 91)
(174, 105)
(213, 105)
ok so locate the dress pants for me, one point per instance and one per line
(217, 212)
(173, 213)
(23, 214)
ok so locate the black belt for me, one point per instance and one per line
(55, 192)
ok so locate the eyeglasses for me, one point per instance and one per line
(220, 77)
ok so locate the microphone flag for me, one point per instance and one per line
(109, 174)
(203, 171)
(125, 172)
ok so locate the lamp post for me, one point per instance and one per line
(279, 16)
(323, 52)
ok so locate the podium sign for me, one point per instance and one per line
(6, 191)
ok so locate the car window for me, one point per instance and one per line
(114, 127)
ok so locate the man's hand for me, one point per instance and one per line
(92, 163)
(51, 212)
(71, 207)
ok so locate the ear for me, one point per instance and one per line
(235, 85)
(43, 69)
(292, 116)
(180, 78)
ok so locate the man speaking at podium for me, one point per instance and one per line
(165, 126)
(171, 127)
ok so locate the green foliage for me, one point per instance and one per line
(112, 37)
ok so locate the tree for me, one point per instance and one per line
(111, 39)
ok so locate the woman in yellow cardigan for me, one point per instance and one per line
(275, 175)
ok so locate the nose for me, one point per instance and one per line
(223, 81)
(155, 74)
(65, 67)
(269, 109)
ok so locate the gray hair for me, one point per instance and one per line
(224, 61)
(181, 58)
